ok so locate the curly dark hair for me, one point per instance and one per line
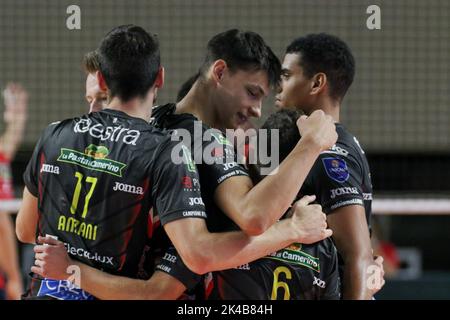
(328, 54)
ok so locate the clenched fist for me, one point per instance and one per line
(318, 128)
(308, 221)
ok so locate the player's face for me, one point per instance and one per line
(295, 87)
(239, 97)
(94, 95)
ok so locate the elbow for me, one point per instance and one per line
(198, 266)
(23, 235)
(198, 263)
(253, 229)
(254, 225)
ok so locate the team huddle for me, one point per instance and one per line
(121, 205)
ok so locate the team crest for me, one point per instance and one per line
(336, 169)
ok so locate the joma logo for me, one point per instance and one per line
(128, 188)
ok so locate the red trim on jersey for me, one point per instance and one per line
(40, 195)
(150, 224)
(135, 214)
(156, 224)
(40, 183)
(209, 288)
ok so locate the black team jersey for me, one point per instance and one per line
(297, 272)
(205, 142)
(101, 180)
(341, 177)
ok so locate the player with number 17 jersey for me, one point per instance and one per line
(97, 178)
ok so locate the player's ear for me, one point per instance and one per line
(159, 82)
(218, 70)
(101, 81)
(318, 83)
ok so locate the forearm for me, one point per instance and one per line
(8, 254)
(27, 218)
(273, 195)
(231, 249)
(111, 287)
(355, 279)
(25, 230)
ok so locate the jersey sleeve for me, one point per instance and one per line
(219, 161)
(172, 264)
(31, 174)
(336, 181)
(176, 186)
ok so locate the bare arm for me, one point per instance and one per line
(254, 209)
(203, 252)
(16, 99)
(9, 262)
(27, 218)
(52, 262)
(351, 235)
(160, 286)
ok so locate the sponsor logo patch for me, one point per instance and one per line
(341, 191)
(336, 150)
(186, 182)
(196, 201)
(346, 203)
(318, 282)
(245, 266)
(336, 169)
(128, 188)
(93, 158)
(113, 134)
(367, 196)
(200, 214)
(50, 168)
(294, 254)
(62, 290)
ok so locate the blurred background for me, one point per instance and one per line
(398, 106)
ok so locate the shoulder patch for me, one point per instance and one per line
(336, 169)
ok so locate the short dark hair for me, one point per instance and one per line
(328, 54)
(244, 50)
(129, 61)
(286, 122)
(186, 87)
(90, 62)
